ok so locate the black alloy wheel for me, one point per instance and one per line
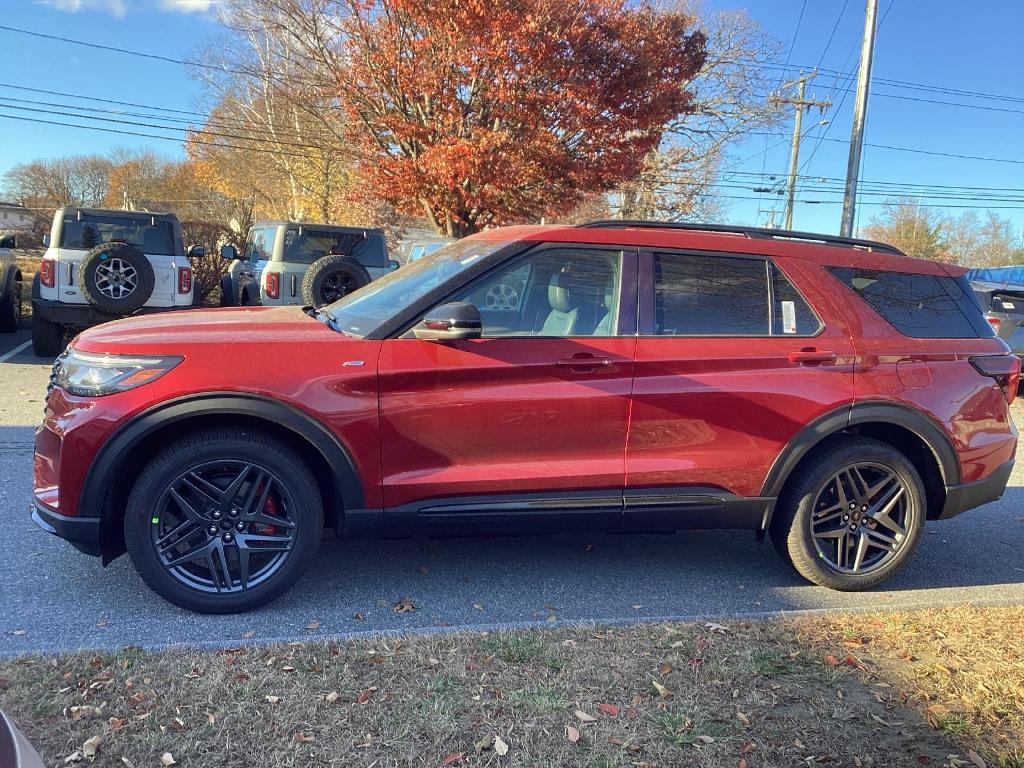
(223, 521)
(851, 514)
(223, 526)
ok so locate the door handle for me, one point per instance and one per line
(812, 356)
(584, 361)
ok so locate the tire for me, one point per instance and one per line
(227, 291)
(200, 586)
(198, 293)
(828, 555)
(330, 278)
(10, 308)
(47, 337)
(116, 278)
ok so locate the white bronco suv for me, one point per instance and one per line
(289, 262)
(103, 264)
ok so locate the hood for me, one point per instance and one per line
(173, 332)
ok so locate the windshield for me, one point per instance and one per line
(368, 308)
(155, 238)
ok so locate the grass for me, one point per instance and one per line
(772, 694)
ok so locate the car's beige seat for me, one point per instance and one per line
(575, 304)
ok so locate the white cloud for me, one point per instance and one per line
(116, 7)
(189, 6)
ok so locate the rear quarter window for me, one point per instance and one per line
(921, 306)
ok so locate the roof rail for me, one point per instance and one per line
(752, 232)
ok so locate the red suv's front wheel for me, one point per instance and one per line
(223, 521)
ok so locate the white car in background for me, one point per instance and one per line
(290, 262)
(101, 264)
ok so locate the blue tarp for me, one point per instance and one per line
(1000, 275)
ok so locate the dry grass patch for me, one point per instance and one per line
(961, 668)
(679, 695)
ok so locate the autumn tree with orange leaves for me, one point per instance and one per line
(477, 113)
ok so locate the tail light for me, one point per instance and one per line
(1005, 369)
(274, 285)
(994, 322)
(184, 280)
(48, 272)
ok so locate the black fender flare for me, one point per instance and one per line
(98, 479)
(911, 419)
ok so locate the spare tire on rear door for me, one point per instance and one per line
(330, 278)
(116, 278)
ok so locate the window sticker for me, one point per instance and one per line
(788, 317)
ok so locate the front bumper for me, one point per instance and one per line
(960, 498)
(81, 532)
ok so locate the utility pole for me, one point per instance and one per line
(801, 105)
(860, 109)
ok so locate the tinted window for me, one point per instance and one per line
(791, 315)
(155, 239)
(366, 248)
(260, 243)
(923, 306)
(559, 292)
(709, 296)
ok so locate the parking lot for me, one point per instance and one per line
(55, 598)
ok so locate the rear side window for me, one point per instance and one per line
(922, 306)
(702, 295)
(709, 296)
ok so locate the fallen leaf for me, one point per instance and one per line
(287, 668)
(713, 627)
(250, 634)
(747, 748)
(117, 723)
(19, 632)
(483, 743)
(91, 748)
(359, 617)
(832, 660)
(332, 697)
(405, 606)
(303, 738)
(478, 606)
(743, 763)
(588, 548)
(313, 625)
(4, 683)
(665, 669)
(167, 760)
(583, 717)
(975, 758)
(743, 718)
(365, 696)
(273, 699)
(500, 746)
(572, 734)
(609, 709)
(662, 691)
(454, 757)
(704, 738)
(74, 757)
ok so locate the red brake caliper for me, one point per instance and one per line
(270, 507)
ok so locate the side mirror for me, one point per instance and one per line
(8, 241)
(228, 252)
(450, 322)
(46, 241)
(393, 264)
(196, 251)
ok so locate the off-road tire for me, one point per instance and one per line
(324, 275)
(10, 308)
(227, 291)
(94, 260)
(211, 446)
(198, 293)
(47, 337)
(790, 527)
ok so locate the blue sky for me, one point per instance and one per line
(939, 42)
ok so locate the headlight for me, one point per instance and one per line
(85, 373)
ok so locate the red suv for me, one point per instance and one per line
(617, 376)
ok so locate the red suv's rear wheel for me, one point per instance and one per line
(852, 516)
(223, 521)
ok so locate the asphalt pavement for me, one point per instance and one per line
(52, 598)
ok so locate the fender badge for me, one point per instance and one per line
(348, 363)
